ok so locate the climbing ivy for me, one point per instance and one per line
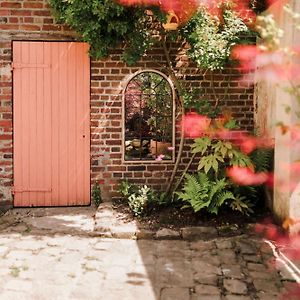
(106, 25)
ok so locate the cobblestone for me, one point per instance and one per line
(67, 261)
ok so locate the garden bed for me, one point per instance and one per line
(173, 217)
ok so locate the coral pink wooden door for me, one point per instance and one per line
(51, 123)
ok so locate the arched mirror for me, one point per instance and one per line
(149, 117)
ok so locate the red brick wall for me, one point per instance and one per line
(31, 20)
(108, 78)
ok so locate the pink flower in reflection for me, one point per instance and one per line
(160, 157)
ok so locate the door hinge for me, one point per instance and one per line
(24, 65)
(26, 190)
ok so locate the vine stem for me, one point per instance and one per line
(181, 107)
(184, 172)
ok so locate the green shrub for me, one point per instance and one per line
(139, 197)
(96, 194)
(140, 200)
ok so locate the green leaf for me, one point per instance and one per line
(201, 145)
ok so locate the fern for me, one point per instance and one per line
(216, 188)
(219, 200)
(262, 160)
(200, 192)
(195, 190)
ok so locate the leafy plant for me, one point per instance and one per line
(203, 193)
(139, 197)
(105, 24)
(126, 189)
(96, 194)
(211, 38)
(193, 100)
(139, 201)
(243, 205)
(217, 154)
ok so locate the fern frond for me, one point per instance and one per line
(262, 159)
(219, 200)
(217, 187)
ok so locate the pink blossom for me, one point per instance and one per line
(184, 9)
(246, 176)
(246, 142)
(195, 125)
(257, 64)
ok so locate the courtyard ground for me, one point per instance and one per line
(54, 253)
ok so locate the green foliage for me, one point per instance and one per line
(231, 124)
(217, 154)
(107, 25)
(192, 99)
(139, 200)
(104, 24)
(96, 194)
(242, 205)
(126, 189)
(203, 193)
(262, 160)
(211, 39)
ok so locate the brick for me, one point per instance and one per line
(30, 27)
(4, 12)
(51, 27)
(5, 137)
(11, 4)
(9, 27)
(3, 20)
(6, 123)
(48, 21)
(113, 142)
(13, 20)
(45, 13)
(33, 5)
(22, 12)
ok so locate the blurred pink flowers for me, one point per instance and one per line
(184, 9)
(195, 125)
(246, 176)
(272, 66)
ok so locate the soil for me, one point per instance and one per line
(174, 217)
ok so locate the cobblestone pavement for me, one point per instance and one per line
(52, 255)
